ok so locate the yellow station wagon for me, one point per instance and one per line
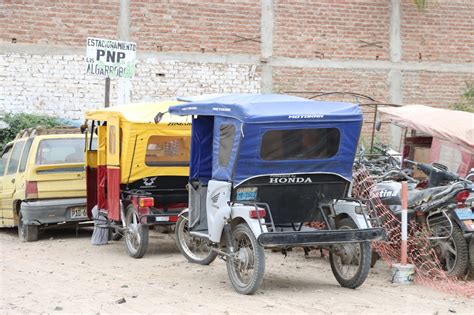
(42, 180)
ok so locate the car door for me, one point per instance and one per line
(9, 179)
(4, 157)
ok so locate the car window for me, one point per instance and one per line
(4, 159)
(24, 156)
(300, 144)
(15, 158)
(60, 151)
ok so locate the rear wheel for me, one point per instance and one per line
(136, 235)
(350, 263)
(195, 249)
(26, 232)
(453, 252)
(471, 256)
(247, 266)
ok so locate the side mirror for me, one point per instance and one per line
(378, 125)
(159, 117)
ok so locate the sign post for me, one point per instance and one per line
(107, 92)
(403, 272)
(110, 59)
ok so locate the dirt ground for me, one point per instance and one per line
(64, 273)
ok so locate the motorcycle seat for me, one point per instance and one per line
(416, 196)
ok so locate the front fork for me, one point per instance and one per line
(228, 238)
(230, 252)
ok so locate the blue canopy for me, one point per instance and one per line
(252, 108)
(237, 124)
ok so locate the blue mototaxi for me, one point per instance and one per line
(262, 168)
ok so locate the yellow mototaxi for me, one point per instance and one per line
(136, 169)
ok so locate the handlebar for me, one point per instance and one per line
(397, 172)
(435, 174)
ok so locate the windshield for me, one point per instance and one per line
(300, 144)
(60, 151)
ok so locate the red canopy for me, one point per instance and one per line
(451, 125)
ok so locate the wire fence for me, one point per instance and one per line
(421, 251)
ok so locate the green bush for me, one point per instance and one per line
(467, 99)
(19, 122)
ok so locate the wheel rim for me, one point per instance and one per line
(447, 251)
(347, 258)
(243, 262)
(194, 247)
(132, 235)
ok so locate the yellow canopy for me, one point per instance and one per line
(137, 128)
(137, 113)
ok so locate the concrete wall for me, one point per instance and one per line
(389, 50)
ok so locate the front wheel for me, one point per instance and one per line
(350, 263)
(136, 235)
(27, 232)
(247, 265)
(195, 249)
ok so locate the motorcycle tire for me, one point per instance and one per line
(190, 252)
(249, 255)
(136, 239)
(364, 259)
(471, 256)
(461, 262)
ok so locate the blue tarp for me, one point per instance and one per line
(255, 114)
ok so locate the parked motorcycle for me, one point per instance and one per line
(441, 207)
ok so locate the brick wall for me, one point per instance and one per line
(164, 79)
(193, 47)
(210, 26)
(57, 85)
(65, 22)
(436, 89)
(50, 85)
(373, 83)
(332, 29)
(443, 32)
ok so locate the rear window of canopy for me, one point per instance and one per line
(300, 144)
(167, 151)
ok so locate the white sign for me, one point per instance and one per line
(110, 58)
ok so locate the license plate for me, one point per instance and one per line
(247, 193)
(465, 214)
(162, 219)
(78, 213)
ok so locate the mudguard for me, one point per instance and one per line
(254, 224)
(183, 212)
(348, 208)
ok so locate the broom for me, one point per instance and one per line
(100, 236)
